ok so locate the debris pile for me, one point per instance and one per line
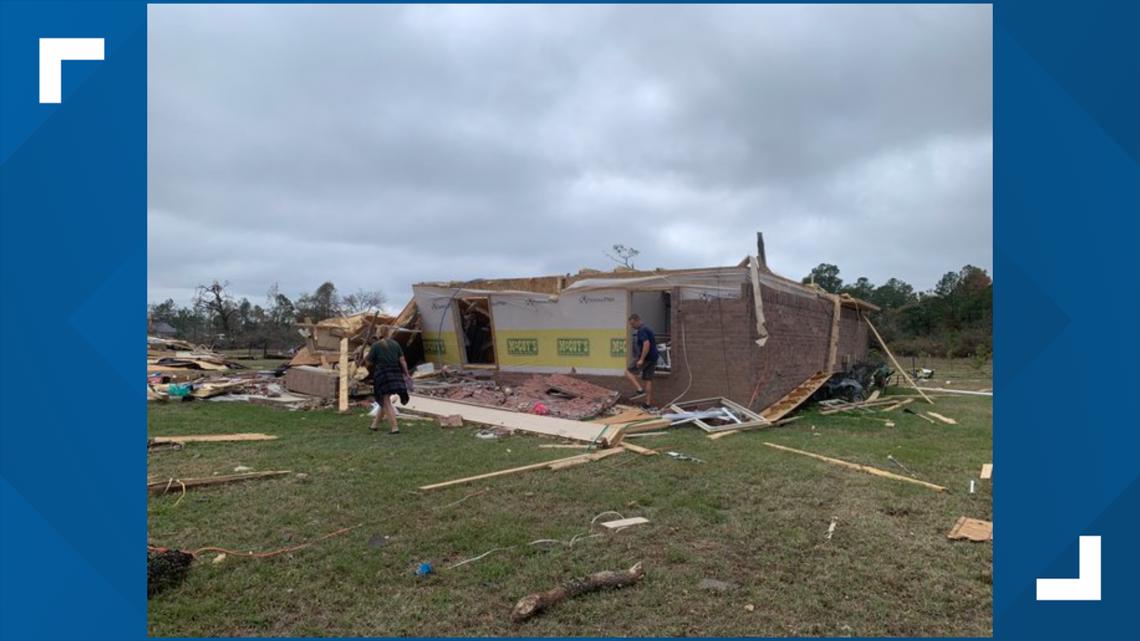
(172, 357)
(555, 395)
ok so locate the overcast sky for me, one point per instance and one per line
(378, 146)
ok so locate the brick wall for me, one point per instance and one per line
(718, 337)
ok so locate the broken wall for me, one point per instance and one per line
(584, 331)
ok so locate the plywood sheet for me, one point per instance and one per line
(972, 529)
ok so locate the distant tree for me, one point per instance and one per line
(826, 276)
(218, 306)
(973, 279)
(164, 311)
(321, 304)
(947, 284)
(862, 288)
(623, 255)
(363, 301)
(893, 294)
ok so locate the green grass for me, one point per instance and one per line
(752, 515)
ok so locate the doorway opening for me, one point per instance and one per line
(476, 330)
(655, 310)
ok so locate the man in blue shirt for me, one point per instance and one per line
(645, 360)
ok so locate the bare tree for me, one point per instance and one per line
(623, 255)
(218, 305)
(363, 300)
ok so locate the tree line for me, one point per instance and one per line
(954, 319)
(218, 319)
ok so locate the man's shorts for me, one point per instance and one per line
(646, 370)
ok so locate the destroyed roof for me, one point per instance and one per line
(625, 278)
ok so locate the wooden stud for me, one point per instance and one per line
(862, 468)
(899, 368)
(214, 438)
(644, 451)
(833, 345)
(560, 463)
(172, 485)
(342, 402)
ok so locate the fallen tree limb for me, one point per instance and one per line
(162, 487)
(533, 604)
(862, 468)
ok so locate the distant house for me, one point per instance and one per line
(162, 329)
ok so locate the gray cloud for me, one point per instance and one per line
(377, 146)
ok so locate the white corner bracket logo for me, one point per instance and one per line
(53, 51)
(1086, 587)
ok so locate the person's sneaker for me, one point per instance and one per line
(640, 394)
(647, 407)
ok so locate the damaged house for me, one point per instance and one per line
(740, 332)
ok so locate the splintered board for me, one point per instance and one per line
(796, 397)
(548, 425)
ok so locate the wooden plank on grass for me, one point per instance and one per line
(623, 523)
(176, 485)
(987, 471)
(862, 468)
(573, 460)
(972, 529)
(945, 419)
(551, 426)
(644, 451)
(213, 438)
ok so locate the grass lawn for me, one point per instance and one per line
(751, 516)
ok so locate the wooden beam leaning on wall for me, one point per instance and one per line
(833, 345)
(754, 272)
(899, 368)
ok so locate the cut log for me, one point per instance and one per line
(533, 604)
(862, 468)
